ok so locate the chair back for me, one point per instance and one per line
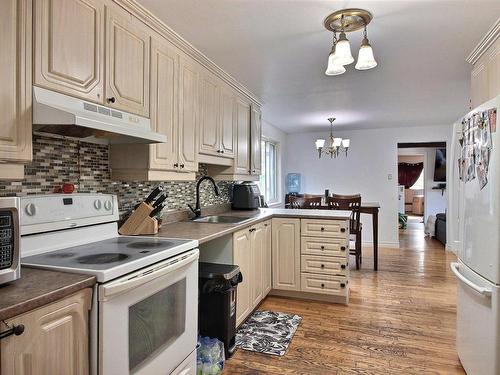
(298, 202)
(349, 203)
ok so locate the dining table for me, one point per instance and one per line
(369, 208)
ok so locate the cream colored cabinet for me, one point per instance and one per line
(267, 259)
(209, 114)
(55, 339)
(69, 47)
(127, 61)
(175, 159)
(485, 76)
(227, 122)
(242, 256)
(257, 249)
(255, 141)
(286, 254)
(15, 87)
(242, 160)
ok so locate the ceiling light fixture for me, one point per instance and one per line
(342, 22)
(335, 146)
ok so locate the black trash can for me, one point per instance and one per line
(217, 305)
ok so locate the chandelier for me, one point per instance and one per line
(342, 22)
(335, 147)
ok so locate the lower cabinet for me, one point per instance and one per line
(252, 253)
(55, 339)
(286, 254)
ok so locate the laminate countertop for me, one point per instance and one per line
(37, 288)
(204, 232)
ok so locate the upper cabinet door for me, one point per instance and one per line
(69, 47)
(188, 115)
(256, 135)
(15, 78)
(242, 162)
(127, 62)
(164, 90)
(209, 119)
(228, 123)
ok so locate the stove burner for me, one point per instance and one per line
(61, 255)
(149, 244)
(102, 258)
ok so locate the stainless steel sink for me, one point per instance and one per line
(221, 219)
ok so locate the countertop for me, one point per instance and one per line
(38, 287)
(204, 232)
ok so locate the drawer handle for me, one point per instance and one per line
(342, 248)
(342, 266)
(111, 99)
(322, 229)
(342, 230)
(342, 285)
(322, 285)
(322, 266)
(15, 330)
(322, 248)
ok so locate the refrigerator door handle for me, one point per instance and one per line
(479, 289)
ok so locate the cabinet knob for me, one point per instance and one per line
(342, 230)
(342, 285)
(176, 165)
(219, 151)
(222, 151)
(322, 229)
(342, 266)
(322, 285)
(342, 248)
(322, 247)
(111, 99)
(322, 266)
(182, 165)
(15, 330)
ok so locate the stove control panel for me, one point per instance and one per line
(61, 211)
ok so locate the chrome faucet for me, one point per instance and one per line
(197, 209)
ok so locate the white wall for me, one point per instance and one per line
(434, 201)
(370, 169)
(271, 132)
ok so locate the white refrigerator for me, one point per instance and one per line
(478, 265)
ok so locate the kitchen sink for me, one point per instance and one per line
(221, 219)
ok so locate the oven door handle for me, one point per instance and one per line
(120, 286)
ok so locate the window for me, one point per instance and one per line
(268, 183)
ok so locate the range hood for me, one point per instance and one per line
(64, 115)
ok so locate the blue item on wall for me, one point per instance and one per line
(293, 182)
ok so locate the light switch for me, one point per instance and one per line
(389, 176)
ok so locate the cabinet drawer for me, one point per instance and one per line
(325, 228)
(336, 247)
(324, 284)
(325, 265)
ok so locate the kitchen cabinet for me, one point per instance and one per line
(252, 253)
(55, 339)
(227, 122)
(242, 257)
(15, 90)
(69, 47)
(127, 61)
(242, 160)
(169, 160)
(286, 254)
(255, 141)
(485, 75)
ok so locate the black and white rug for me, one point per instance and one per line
(267, 332)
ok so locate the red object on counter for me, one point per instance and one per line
(68, 188)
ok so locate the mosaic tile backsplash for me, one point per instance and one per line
(57, 160)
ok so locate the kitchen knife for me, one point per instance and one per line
(157, 210)
(160, 200)
(153, 194)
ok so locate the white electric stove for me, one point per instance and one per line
(137, 277)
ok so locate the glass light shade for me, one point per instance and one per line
(346, 143)
(365, 57)
(320, 143)
(333, 68)
(337, 142)
(343, 55)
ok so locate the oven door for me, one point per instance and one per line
(148, 319)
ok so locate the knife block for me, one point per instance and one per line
(139, 222)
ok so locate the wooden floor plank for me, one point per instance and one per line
(400, 320)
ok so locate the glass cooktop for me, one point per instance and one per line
(113, 253)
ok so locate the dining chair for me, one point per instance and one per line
(350, 203)
(298, 202)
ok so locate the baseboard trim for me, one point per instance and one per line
(388, 244)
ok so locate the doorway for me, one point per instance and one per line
(421, 186)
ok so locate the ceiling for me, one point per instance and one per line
(279, 50)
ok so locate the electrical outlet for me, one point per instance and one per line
(389, 176)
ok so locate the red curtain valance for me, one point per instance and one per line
(408, 173)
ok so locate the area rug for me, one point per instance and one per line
(267, 332)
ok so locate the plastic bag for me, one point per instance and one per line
(210, 356)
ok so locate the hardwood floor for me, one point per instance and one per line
(400, 320)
